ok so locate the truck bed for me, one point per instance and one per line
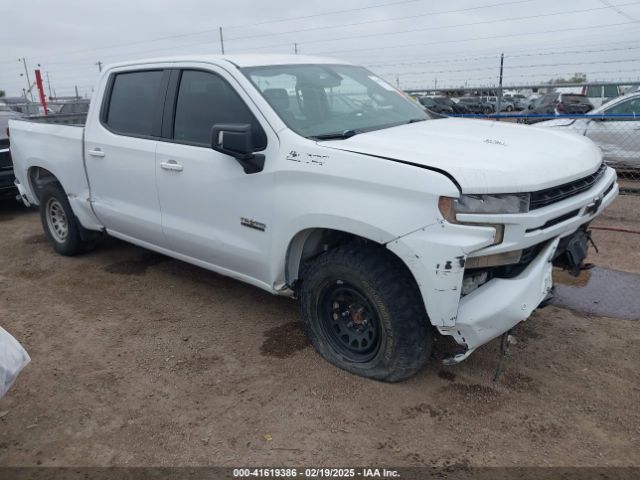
(51, 144)
(72, 119)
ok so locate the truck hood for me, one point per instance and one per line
(482, 156)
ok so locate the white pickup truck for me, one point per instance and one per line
(314, 178)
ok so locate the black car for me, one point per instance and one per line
(431, 104)
(7, 187)
(456, 107)
(476, 105)
(556, 103)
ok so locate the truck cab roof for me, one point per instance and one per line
(239, 60)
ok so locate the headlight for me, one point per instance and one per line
(487, 204)
(509, 203)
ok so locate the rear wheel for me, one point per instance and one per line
(363, 313)
(59, 222)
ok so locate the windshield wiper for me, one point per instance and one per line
(416, 120)
(337, 135)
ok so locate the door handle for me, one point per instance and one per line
(96, 153)
(171, 165)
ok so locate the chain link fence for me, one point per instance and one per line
(617, 135)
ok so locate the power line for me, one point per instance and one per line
(519, 67)
(384, 20)
(618, 11)
(494, 56)
(475, 39)
(266, 22)
(445, 27)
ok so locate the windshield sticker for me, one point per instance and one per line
(382, 83)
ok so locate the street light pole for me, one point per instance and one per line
(26, 72)
(499, 104)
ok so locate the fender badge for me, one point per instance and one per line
(248, 222)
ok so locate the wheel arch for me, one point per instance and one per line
(311, 242)
(38, 178)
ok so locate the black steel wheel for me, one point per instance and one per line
(350, 322)
(363, 312)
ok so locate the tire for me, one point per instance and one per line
(363, 313)
(509, 108)
(60, 225)
(488, 111)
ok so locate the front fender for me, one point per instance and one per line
(436, 256)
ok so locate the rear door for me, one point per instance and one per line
(212, 211)
(120, 153)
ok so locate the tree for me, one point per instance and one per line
(2, 93)
(577, 77)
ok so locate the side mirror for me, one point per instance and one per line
(236, 140)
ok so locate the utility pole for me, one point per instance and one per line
(99, 64)
(499, 105)
(398, 80)
(295, 48)
(221, 40)
(77, 95)
(435, 83)
(49, 85)
(26, 72)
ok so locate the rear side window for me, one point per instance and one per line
(610, 91)
(205, 99)
(594, 92)
(133, 102)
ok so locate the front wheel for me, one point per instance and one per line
(59, 222)
(363, 313)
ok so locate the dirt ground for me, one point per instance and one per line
(142, 360)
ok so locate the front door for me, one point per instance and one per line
(212, 211)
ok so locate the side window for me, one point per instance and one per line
(205, 99)
(630, 107)
(610, 91)
(594, 92)
(133, 102)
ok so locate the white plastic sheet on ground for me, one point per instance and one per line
(13, 358)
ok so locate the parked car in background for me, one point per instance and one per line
(559, 103)
(476, 105)
(505, 105)
(530, 102)
(518, 101)
(430, 104)
(456, 107)
(81, 106)
(7, 187)
(598, 95)
(617, 137)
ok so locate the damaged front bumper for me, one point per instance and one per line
(474, 304)
(501, 303)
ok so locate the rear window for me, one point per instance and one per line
(575, 99)
(134, 98)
